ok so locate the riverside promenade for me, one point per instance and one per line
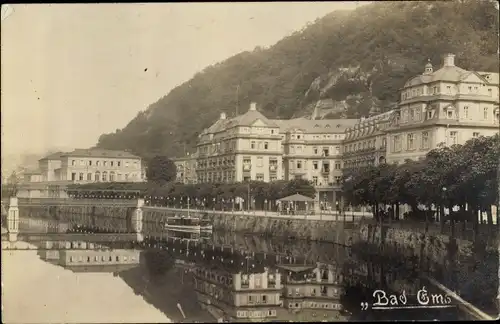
(348, 216)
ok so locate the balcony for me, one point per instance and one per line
(247, 167)
(273, 168)
(325, 171)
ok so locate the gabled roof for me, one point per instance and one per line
(247, 119)
(453, 74)
(466, 75)
(316, 126)
(491, 77)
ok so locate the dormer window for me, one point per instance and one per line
(450, 114)
(316, 126)
(327, 126)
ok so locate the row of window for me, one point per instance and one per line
(98, 176)
(102, 163)
(365, 130)
(325, 151)
(411, 142)
(324, 181)
(450, 113)
(300, 164)
(410, 93)
(257, 299)
(220, 176)
(102, 258)
(317, 136)
(216, 162)
(225, 147)
(255, 314)
(229, 176)
(315, 305)
(368, 144)
(363, 162)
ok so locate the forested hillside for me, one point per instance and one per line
(349, 63)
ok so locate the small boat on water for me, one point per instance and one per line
(183, 224)
(189, 223)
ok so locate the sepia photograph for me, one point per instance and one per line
(201, 162)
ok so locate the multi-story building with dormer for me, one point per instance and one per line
(253, 147)
(447, 106)
(365, 143)
(312, 150)
(443, 107)
(243, 148)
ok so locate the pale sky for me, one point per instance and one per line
(70, 72)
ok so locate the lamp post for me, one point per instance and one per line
(442, 219)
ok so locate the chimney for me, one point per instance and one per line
(222, 115)
(253, 106)
(449, 60)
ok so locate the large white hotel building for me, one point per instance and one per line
(447, 106)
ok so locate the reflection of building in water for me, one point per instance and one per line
(313, 287)
(50, 249)
(98, 257)
(87, 256)
(240, 296)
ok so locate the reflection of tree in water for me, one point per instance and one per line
(158, 262)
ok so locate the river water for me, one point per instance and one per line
(182, 277)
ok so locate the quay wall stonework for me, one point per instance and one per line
(116, 216)
(315, 230)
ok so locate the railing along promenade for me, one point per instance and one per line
(487, 233)
(323, 215)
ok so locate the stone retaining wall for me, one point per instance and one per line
(328, 231)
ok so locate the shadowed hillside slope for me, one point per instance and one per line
(344, 65)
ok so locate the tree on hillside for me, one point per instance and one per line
(279, 77)
(161, 169)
